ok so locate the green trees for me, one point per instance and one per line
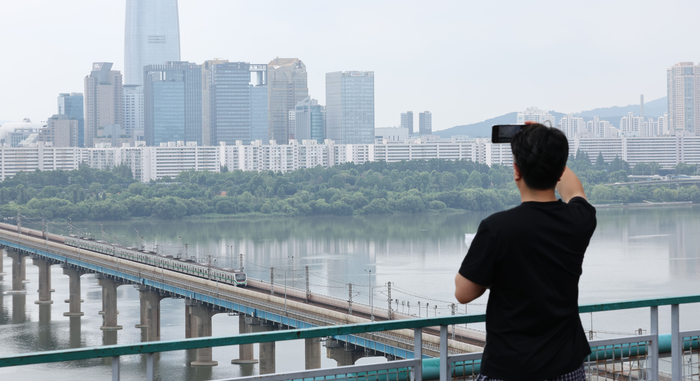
(370, 189)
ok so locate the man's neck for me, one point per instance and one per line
(536, 195)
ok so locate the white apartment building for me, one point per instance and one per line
(169, 159)
(535, 115)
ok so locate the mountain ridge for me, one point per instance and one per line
(654, 108)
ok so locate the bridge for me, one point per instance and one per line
(257, 307)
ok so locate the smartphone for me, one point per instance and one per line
(503, 133)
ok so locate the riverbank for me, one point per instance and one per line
(678, 204)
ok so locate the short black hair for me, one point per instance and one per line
(541, 153)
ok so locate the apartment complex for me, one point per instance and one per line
(171, 158)
(683, 86)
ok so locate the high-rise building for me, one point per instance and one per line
(151, 36)
(683, 85)
(407, 121)
(286, 86)
(258, 111)
(103, 100)
(61, 131)
(573, 126)
(425, 123)
(309, 120)
(206, 97)
(350, 107)
(535, 115)
(72, 106)
(230, 102)
(172, 96)
(133, 110)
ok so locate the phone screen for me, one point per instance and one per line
(503, 133)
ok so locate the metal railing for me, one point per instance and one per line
(633, 357)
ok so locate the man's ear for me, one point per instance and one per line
(516, 173)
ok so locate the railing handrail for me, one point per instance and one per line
(296, 334)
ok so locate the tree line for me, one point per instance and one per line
(369, 189)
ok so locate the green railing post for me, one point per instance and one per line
(655, 344)
(676, 345)
(417, 374)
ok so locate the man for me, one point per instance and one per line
(530, 258)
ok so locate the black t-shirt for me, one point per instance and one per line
(530, 257)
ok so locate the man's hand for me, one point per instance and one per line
(466, 290)
(569, 186)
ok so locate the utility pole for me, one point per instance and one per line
(103, 231)
(70, 226)
(350, 299)
(308, 289)
(389, 300)
(371, 296)
(419, 308)
(19, 224)
(454, 312)
(272, 280)
(241, 262)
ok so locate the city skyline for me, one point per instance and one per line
(475, 92)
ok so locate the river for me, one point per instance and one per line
(634, 254)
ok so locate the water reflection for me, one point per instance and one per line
(634, 254)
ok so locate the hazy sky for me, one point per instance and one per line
(465, 61)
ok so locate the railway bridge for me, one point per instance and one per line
(257, 307)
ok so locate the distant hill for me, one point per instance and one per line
(655, 108)
(483, 129)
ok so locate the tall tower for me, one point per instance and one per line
(172, 99)
(407, 121)
(286, 86)
(683, 81)
(425, 123)
(103, 100)
(152, 36)
(350, 107)
(71, 104)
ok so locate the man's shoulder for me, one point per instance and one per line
(504, 215)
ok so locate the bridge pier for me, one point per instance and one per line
(150, 312)
(342, 355)
(312, 353)
(246, 352)
(18, 272)
(2, 272)
(74, 299)
(200, 320)
(44, 281)
(266, 351)
(109, 303)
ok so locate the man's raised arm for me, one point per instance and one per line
(569, 186)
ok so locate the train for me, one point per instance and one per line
(188, 266)
(229, 276)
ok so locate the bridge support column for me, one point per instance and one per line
(44, 281)
(2, 272)
(74, 299)
(200, 316)
(343, 356)
(246, 352)
(18, 273)
(267, 351)
(109, 303)
(150, 313)
(312, 352)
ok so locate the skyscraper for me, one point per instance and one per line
(258, 111)
(309, 120)
(350, 107)
(152, 36)
(683, 84)
(230, 102)
(103, 100)
(206, 97)
(286, 86)
(407, 121)
(133, 110)
(425, 123)
(172, 103)
(72, 106)
(61, 131)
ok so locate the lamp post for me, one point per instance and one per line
(371, 296)
(291, 256)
